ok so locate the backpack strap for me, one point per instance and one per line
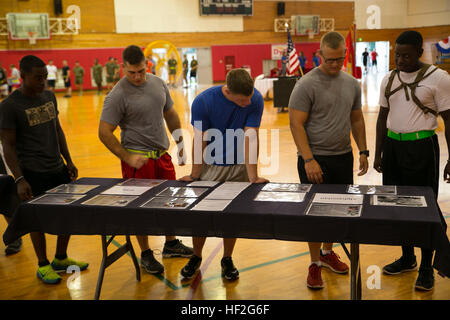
(415, 84)
(412, 86)
(387, 91)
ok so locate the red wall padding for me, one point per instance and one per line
(251, 55)
(84, 56)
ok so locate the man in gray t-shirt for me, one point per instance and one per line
(139, 104)
(324, 107)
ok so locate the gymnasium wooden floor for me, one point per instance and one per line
(269, 269)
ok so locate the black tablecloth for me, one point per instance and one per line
(8, 195)
(244, 218)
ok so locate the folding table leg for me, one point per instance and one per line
(355, 282)
(101, 273)
(133, 257)
(107, 260)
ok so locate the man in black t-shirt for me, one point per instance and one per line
(66, 77)
(33, 142)
(365, 55)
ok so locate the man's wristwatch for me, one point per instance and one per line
(366, 152)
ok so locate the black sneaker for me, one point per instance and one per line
(177, 250)
(400, 266)
(150, 264)
(14, 247)
(425, 280)
(191, 267)
(229, 271)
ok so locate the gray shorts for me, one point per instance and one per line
(236, 173)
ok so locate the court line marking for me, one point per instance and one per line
(204, 266)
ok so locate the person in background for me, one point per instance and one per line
(14, 79)
(315, 59)
(97, 72)
(78, 71)
(193, 74)
(185, 71)
(52, 76)
(151, 64)
(66, 76)
(365, 56)
(110, 71)
(302, 59)
(172, 65)
(116, 71)
(4, 91)
(374, 56)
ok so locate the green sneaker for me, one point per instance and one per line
(62, 265)
(48, 275)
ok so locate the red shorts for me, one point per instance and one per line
(154, 169)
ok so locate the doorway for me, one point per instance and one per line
(382, 54)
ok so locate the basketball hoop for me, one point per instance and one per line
(32, 37)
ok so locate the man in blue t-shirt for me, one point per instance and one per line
(226, 122)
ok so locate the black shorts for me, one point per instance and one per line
(51, 83)
(67, 84)
(336, 169)
(43, 181)
(374, 62)
(411, 163)
(193, 74)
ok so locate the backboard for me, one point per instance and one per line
(23, 25)
(305, 25)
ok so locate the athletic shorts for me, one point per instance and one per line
(51, 83)
(43, 181)
(161, 168)
(336, 169)
(237, 172)
(67, 84)
(78, 80)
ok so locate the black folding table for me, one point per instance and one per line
(242, 218)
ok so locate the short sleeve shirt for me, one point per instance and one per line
(212, 112)
(329, 102)
(52, 70)
(405, 116)
(34, 120)
(78, 72)
(139, 112)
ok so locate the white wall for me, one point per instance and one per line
(162, 16)
(404, 13)
(400, 13)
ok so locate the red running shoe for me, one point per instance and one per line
(314, 280)
(332, 262)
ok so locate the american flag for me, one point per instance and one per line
(293, 63)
